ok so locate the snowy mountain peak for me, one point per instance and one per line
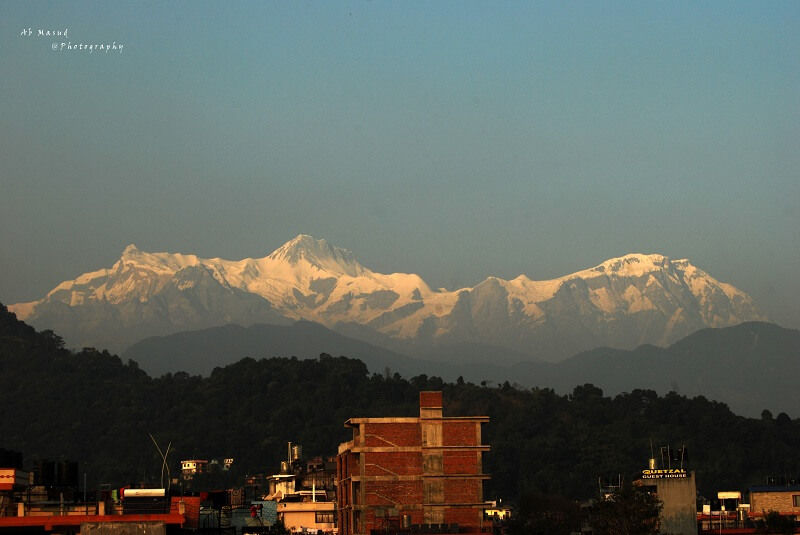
(623, 302)
(319, 254)
(130, 250)
(633, 265)
(165, 263)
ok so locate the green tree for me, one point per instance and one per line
(544, 514)
(631, 510)
(775, 523)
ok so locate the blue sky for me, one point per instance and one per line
(455, 140)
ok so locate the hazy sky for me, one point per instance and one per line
(455, 140)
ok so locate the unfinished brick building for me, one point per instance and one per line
(412, 475)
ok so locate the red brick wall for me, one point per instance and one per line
(461, 433)
(344, 494)
(462, 490)
(381, 435)
(191, 505)
(347, 465)
(369, 514)
(463, 516)
(401, 463)
(389, 493)
(408, 496)
(460, 462)
(430, 399)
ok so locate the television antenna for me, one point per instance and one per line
(163, 459)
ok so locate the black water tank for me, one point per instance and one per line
(44, 473)
(67, 474)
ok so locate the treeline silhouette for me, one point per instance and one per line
(89, 406)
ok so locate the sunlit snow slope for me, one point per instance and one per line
(623, 302)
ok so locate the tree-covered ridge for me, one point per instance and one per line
(91, 407)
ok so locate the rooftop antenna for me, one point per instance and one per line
(163, 459)
(652, 463)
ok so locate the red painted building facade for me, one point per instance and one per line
(402, 472)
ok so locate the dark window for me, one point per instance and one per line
(324, 517)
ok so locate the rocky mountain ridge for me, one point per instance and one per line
(623, 302)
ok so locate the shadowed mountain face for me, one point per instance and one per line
(751, 367)
(199, 352)
(623, 303)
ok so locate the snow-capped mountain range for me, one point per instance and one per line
(623, 302)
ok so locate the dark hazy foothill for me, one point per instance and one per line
(91, 407)
(750, 367)
(199, 352)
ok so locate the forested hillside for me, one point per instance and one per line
(91, 407)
